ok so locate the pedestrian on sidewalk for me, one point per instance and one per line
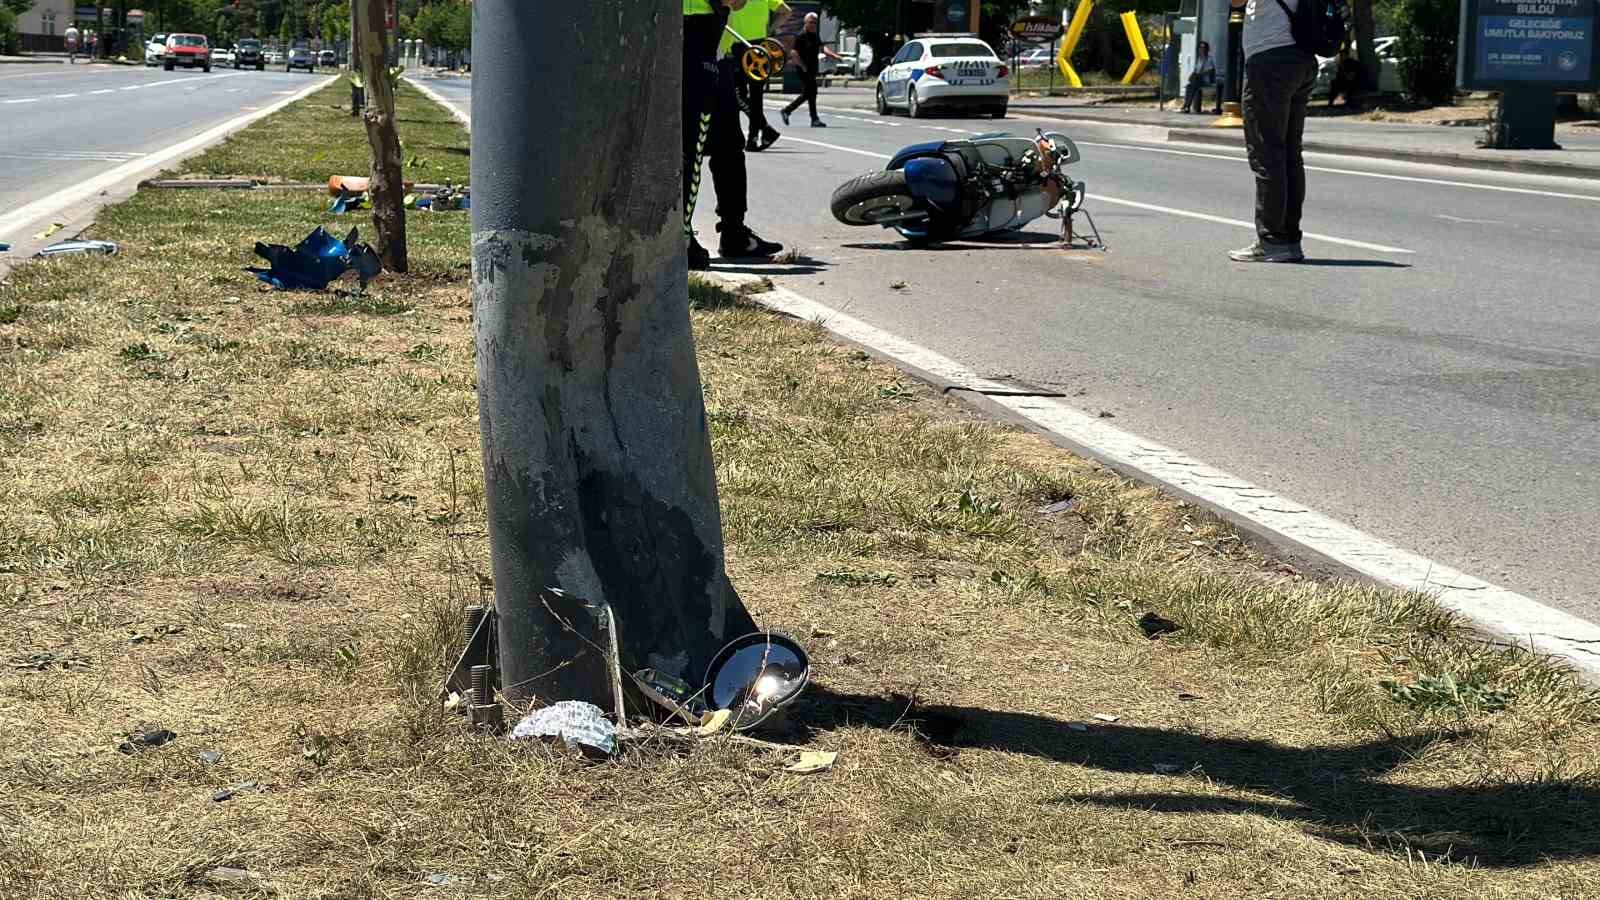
(71, 35)
(1203, 76)
(1346, 80)
(806, 48)
(754, 23)
(711, 122)
(1278, 79)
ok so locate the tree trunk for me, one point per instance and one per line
(386, 188)
(1366, 52)
(597, 460)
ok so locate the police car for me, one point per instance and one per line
(944, 71)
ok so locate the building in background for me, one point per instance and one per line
(43, 28)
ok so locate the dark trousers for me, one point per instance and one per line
(711, 127)
(808, 94)
(751, 96)
(1195, 97)
(1277, 87)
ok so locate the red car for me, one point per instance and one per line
(190, 50)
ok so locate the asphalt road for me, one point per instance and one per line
(1432, 376)
(68, 123)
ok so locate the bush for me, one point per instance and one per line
(1426, 46)
(9, 42)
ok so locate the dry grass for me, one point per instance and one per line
(252, 518)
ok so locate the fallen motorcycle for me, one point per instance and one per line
(989, 184)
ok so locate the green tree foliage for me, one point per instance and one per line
(17, 6)
(1427, 32)
(445, 24)
(8, 31)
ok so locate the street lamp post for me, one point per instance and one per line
(1233, 109)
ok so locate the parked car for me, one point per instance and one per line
(327, 59)
(247, 53)
(190, 50)
(1389, 80)
(944, 71)
(300, 58)
(1037, 58)
(274, 58)
(154, 49)
(221, 56)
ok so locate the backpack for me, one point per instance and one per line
(1319, 26)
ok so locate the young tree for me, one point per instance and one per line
(385, 188)
(597, 459)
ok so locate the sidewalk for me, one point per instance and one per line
(35, 59)
(1437, 144)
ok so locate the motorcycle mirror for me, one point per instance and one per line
(755, 675)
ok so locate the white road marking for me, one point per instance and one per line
(1518, 618)
(1467, 221)
(1446, 182)
(64, 96)
(74, 155)
(105, 91)
(19, 219)
(1205, 217)
(23, 100)
(1222, 220)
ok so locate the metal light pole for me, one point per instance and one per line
(601, 494)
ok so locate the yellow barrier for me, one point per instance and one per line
(1080, 19)
(1141, 53)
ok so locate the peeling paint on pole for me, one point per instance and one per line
(597, 461)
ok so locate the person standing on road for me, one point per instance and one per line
(711, 115)
(754, 23)
(1203, 76)
(71, 35)
(1278, 79)
(806, 48)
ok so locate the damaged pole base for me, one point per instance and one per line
(490, 719)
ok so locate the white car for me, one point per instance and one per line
(944, 72)
(222, 56)
(1389, 80)
(1037, 58)
(155, 49)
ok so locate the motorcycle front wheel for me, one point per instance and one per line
(876, 198)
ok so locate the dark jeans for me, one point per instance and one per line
(751, 94)
(808, 94)
(1195, 98)
(711, 127)
(1277, 87)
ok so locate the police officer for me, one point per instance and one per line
(711, 124)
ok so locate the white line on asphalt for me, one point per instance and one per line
(1205, 217)
(18, 219)
(23, 100)
(73, 156)
(105, 91)
(1221, 220)
(1518, 618)
(64, 96)
(1336, 171)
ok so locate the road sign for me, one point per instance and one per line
(1036, 29)
(1531, 43)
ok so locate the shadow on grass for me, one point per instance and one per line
(1336, 790)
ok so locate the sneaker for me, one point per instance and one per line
(740, 242)
(818, 123)
(1264, 252)
(699, 257)
(785, 114)
(770, 137)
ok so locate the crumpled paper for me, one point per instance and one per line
(572, 722)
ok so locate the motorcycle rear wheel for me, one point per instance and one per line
(873, 199)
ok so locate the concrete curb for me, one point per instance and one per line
(1432, 157)
(439, 99)
(1288, 527)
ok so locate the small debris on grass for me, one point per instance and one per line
(1106, 717)
(145, 737)
(208, 757)
(71, 248)
(899, 285)
(1058, 507)
(45, 660)
(812, 761)
(51, 229)
(712, 722)
(229, 875)
(1167, 769)
(1107, 414)
(243, 787)
(440, 879)
(318, 259)
(1186, 697)
(1155, 626)
(573, 723)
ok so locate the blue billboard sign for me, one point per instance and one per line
(1506, 43)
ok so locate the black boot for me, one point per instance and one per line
(699, 257)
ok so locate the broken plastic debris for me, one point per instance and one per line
(315, 261)
(572, 722)
(1105, 717)
(243, 787)
(712, 722)
(348, 200)
(144, 737)
(69, 248)
(208, 757)
(756, 675)
(54, 227)
(1155, 626)
(811, 761)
